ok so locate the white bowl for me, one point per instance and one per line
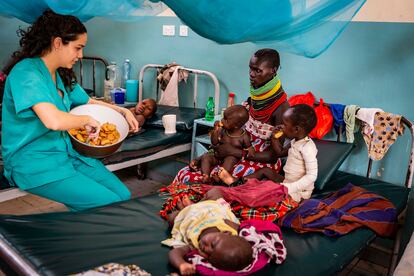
(103, 114)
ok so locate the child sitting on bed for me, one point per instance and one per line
(301, 168)
(210, 227)
(144, 110)
(229, 130)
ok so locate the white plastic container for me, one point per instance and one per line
(114, 80)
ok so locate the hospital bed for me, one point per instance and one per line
(130, 232)
(152, 143)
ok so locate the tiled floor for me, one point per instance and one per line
(31, 204)
(372, 261)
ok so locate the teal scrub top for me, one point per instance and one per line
(33, 154)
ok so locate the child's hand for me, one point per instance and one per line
(277, 132)
(250, 152)
(187, 269)
(217, 125)
(275, 142)
(194, 165)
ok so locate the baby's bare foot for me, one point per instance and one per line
(226, 177)
(206, 178)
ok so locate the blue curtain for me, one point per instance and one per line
(304, 27)
(120, 10)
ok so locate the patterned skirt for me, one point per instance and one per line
(189, 184)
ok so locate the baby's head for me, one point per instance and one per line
(225, 251)
(235, 117)
(147, 108)
(298, 121)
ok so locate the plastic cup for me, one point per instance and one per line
(169, 122)
(131, 90)
(118, 95)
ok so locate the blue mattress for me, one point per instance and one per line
(152, 139)
(147, 142)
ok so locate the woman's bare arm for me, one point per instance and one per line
(132, 122)
(55, 119)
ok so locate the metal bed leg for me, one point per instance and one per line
(142, 171)
(397, 243)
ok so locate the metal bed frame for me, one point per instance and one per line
(196, 72)
(177, 148)
(407, 184)
(94, 60)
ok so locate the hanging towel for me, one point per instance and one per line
(338, 115)
(367, 116)
(169, 76)
(387, 127)
(170, 94)
(351, 126)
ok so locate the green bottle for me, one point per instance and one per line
(210, 109)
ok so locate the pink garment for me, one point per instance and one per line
(254, 193)
(267, 243)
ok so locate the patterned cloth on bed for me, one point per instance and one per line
(277, 204)
(342, 211)
(267, 243)
(114, 269)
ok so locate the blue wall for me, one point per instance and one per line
(371, 65)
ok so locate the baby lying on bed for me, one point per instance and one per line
(210, 227)
(144, 110)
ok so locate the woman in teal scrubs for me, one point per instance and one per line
(39, 92)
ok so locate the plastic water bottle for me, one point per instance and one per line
(113, 81)
(230, 99)
(210, 109)
(126, 72)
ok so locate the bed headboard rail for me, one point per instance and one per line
(196, 72)
(94, 61)
(410, 169)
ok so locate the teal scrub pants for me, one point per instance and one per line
(90, 187)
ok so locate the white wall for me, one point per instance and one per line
(386, 11)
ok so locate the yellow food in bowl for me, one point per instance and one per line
(108, 135)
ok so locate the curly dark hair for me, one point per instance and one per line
(36, 40)
(304, 115)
